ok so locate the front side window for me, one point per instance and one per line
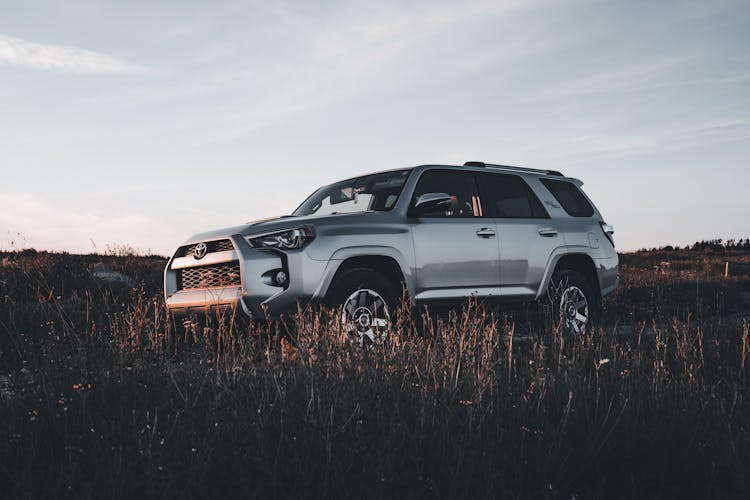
(369, 193)
(570, 197)
(461, 188)
(509, 197)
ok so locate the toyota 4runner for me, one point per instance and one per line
(439, 233)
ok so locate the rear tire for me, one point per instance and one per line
(368, 301)
(575, 306)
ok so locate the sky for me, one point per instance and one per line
(140, 123)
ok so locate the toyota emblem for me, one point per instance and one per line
(200, 250)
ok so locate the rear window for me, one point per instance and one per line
(570, 197)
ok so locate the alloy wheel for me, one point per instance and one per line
(366, 315)
(574, 310)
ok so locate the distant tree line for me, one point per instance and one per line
(703, 246)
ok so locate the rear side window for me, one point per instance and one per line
(570, 197)
(509, 197)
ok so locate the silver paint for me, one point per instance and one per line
(440, 258)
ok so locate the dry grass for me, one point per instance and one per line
(102, 395)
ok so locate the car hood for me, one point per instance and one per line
(264, 226)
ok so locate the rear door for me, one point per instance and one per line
(527, 236)
(456, 249)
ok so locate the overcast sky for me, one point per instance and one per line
(141, 123)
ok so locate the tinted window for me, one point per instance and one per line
(458, 185)
(570, 197)
(508, 196)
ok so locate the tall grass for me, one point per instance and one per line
(102, 394)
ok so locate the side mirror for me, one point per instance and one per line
(431, 202)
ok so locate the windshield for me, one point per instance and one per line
(377, 192)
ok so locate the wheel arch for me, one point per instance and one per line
(385, 260)
(580, 262)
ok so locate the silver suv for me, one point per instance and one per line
(436, 233)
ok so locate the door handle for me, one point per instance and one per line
(486, 232)
(548, 232)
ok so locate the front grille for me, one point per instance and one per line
(226, 274)
(212, 246)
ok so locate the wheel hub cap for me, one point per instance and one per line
(363, 318)
(571, 310)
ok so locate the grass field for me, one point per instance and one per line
(102, 396)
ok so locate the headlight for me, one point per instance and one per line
(285, 240)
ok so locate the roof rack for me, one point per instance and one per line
(508, 167)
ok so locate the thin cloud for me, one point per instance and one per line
(19, 53)
(348, 55)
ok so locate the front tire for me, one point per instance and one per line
(368, 303)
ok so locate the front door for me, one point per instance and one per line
(456, 249)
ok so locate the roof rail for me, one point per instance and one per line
(508, 167)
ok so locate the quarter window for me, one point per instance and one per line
(460, 186)
(509, 197)
(570, 197)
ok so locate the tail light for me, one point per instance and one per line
(609, 231)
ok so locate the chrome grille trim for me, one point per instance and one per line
(209, 260)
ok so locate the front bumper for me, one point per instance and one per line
(256, 294)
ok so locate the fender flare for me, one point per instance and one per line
(557, 254)
(342, 254)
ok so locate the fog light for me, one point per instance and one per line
(281, 278)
